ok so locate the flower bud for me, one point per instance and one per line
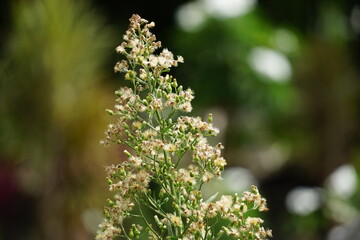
(131, 233)
(107, 214)
(110, 203)
(161, 193)
(127, 153)
(159, 94)
(210, 118)
(125, 125)
(130, 75)
(110, 112)
(176, 206)
(109, 181)
(158, 222)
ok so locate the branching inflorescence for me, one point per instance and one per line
(157, 138)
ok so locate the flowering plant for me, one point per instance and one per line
(158, 138)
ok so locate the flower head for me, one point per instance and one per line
(157, 138)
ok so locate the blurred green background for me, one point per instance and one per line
(281, 78)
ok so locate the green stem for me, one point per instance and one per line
(145, 220)
(123, 229)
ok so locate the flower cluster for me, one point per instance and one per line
(158, 138)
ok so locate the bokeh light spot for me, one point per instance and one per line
(228, 8)
(270, 63)
(234, 180)
(238, 179)
(343, 181)
(190, 16)
(303, 200)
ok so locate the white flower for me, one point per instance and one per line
(184, 176)
(253, 221)
(175, 220)
(153, 60)
(120, 49)
(170, 147)
(220, 162)
(224, 204)
(136, 161)
(186, 107)
(180, 59)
